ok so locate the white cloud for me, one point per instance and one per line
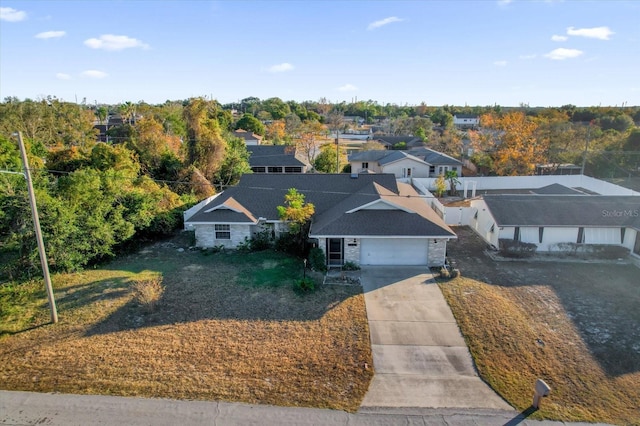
(562, 53)
(50, 34)
(383, 22)
(500, 63)
(347, 88)
(12, 15)
(94, 74)
(559, 38)
(601, 33)
(285, 66)
(504, 2)
(63, 76)
(114, 42)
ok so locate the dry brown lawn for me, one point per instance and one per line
(575, 325)
(219, 332)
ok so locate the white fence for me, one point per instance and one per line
(531, 182)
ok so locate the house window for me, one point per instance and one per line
(259, 169)
(293, 169)
(432, 170)
(223, 232)
(475, 216)
(275, 169)
(540, 234)
(365, 166)
(580, 239)
(516, 234)
(493, 228)
(622, 232)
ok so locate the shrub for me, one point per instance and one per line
(513, 248)
(244, 246)
(304, 285)
(455, 273)
(287, 243)
(148, 293)
(444, 273)
(350, 266)
(261, 240)
(317, 260)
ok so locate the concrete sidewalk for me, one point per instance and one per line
(419, 355)
(27, 408)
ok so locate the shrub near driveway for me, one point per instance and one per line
(219, 332)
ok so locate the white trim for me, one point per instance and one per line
(406, 237)
(363, 207)
(222, 223)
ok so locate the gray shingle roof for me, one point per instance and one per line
(556, 189)
(434, 157)
(382, 157)
(333, 195)
(272, 155)
(565, 210)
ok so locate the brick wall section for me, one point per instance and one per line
(206, 236)
(437, 251)
(352, 252)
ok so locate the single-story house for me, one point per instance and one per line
(274, 159)
(368, 219)
(399, 163)
(466, 121)
(249, 138)
(550, 221)
(440, 162)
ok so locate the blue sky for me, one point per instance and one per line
(544, 53)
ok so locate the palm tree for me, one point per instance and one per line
(127, 110)
(452, 177)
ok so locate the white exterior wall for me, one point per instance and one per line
(527, 182)
(602, 236)
(419, 170)
(459, 216)
(357, 167)
(206, 236)
(630, 238)
(483, 223)
(504, 233)
(448, 167)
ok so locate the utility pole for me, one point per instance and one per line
(586, 148)
(337, 151)
(36, 225)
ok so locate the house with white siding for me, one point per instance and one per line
(553, 221)
(367, 219)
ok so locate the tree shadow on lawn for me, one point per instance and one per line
(600, 299)
(215, 290)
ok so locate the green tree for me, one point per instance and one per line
(235, 163)
(452, 177)
(297, 214)
(205, 147)
(326, 162)
(251, 124)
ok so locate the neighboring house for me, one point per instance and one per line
(466, 121)
(440, 163)
(368, 219)
(390, 141)
(249, 138)
(274, 159)
(399, 163)
(550, 221)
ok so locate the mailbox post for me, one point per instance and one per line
(541, 390)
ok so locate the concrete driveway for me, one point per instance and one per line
(419, 355)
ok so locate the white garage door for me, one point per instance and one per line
(393, 251)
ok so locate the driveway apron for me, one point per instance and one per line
(419, 355)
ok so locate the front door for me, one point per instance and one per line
(334, 251)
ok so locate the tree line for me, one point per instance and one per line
(98, 198)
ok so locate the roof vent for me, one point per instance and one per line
(354, 176)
